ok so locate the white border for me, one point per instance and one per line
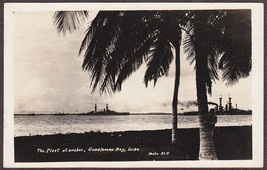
(257, 81)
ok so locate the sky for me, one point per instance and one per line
(48, 76)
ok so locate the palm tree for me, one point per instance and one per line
(117, 43)
(219, 40)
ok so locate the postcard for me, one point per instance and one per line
(133, 85)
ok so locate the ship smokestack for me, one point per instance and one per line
(106, 107)
(220, 108)
(230, 104)
(95, 108)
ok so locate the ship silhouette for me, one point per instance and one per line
(104, 112)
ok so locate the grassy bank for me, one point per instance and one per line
(231, 143)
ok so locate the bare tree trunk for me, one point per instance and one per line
(206, 147)
(175, 94)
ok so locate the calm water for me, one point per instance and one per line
(49, 124)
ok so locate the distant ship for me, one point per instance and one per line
(59, 113)
(31, 114)
(109, 112)
(104, 112)
(227, 110)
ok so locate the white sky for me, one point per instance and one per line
(48, 75)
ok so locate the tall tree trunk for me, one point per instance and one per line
(175, 93)
(206, 147)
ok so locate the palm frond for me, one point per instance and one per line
(236, 42)
(188, 39)
(134, 43)
(133, 62)
(204, 43)
(115, 45)
(189, 48)
(102, 32)
(159, 61)
(69, 20)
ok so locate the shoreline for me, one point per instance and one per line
(121, 131)
(86, 114)
(127, 131)
(231, 143)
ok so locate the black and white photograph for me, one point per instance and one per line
(136, 84)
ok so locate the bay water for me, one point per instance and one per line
(25, 125)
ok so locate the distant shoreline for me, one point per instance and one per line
(231, 143)
(180, 114)
(83, 114)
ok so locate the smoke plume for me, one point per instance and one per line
(213, 103)
(188, 103)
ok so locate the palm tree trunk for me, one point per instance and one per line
(175, 94)
(206, 147)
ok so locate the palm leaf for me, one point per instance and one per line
(115, 47)
(69, 20)
(236, 40)
(159, 61)
(101, 32)
(137, 39)
(204, 41)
